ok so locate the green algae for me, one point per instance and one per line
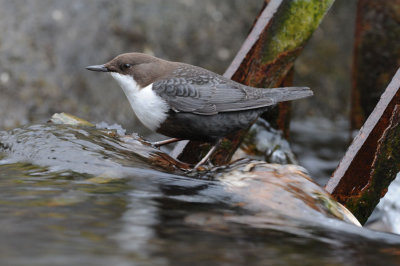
(384, 170)
(294, 24)
(226, 144)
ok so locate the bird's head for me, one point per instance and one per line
(143, 68)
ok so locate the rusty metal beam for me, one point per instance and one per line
(376, 55)
(265, 58)
(373, 159)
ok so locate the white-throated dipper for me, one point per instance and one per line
(188, 102)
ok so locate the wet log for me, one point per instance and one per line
(376, 55)
(127, 150)
(71, 148)
(264, 188)
(373, 159)
(264, 60)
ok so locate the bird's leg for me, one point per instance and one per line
(164, 142)
(208, 155)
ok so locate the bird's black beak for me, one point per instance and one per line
(99, 68)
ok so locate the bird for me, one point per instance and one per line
(187, 102)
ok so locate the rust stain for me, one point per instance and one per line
(249, 67)
(357, 181)
(365, 142)
(376, 55)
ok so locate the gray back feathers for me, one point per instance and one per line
(197, 90)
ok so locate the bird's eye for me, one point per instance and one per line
(126, 66)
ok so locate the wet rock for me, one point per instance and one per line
(263, 191)
(265, 143)
(67, 119)
(83, 149)
(274, 190)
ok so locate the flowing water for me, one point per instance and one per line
(73, 196)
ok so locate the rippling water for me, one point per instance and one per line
(57, 212)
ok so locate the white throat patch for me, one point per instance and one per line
(150, 108)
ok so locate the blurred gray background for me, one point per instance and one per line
(45, 45)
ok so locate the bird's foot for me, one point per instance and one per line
(164, 142)
(208, 155)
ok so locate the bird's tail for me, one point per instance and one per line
(287, 93)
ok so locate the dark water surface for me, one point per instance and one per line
(61, 204)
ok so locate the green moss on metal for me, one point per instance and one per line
(384, 171)
(295, 22)
(226, 144)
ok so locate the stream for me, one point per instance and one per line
(73, 195)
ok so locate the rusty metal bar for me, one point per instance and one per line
(376, 55)
(265, 58)
(373, 159)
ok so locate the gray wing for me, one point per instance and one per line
(206, 93)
